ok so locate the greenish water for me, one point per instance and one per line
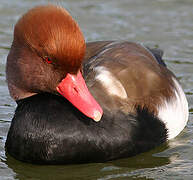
(167, 23)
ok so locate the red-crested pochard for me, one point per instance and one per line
(128, 101)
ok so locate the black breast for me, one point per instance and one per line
(47, 129)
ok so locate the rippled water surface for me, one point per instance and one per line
(166, 23)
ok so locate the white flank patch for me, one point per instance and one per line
(112, 85)
(175, 112)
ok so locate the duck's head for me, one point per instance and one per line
(46, 56)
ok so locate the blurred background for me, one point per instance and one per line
(167, 24)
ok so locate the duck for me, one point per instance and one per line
(81, 102)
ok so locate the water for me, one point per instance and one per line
(167, 23)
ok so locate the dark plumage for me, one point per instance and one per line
(42, 132)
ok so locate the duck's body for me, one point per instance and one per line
(138, 96)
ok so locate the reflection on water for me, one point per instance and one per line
(166, 23)
(144, 166)
(118, 168)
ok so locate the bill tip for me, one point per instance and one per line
(97, 116)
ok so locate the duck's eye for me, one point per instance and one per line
(48, 59)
